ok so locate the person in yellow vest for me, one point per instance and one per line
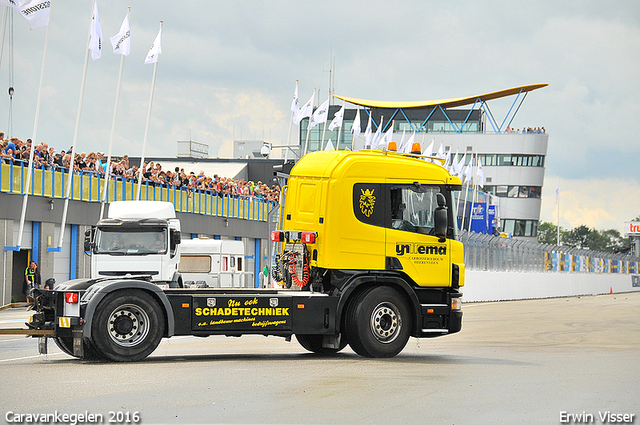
(32, 277)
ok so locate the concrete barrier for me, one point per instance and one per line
(498, 286)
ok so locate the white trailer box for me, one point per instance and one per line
(214, 263)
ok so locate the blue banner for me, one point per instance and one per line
(478, 216)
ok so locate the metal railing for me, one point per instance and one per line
(488, 252)
(88, 186)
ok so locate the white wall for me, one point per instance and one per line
(494, 286)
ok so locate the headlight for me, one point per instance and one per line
(456, 304)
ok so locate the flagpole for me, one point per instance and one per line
(558, 215)
(4, 27)
(146, 130)
(340, 128)
(473, 194)
(324, 132)
(75, 136)
(466, 193)
(286, 151)
(353, 134)
(23, 213)
(113, 128)
(306, 143)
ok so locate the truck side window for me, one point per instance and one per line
(412, 208)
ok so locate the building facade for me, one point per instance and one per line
(513, 162)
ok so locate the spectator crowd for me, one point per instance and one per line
(15, 150)
(528, 130)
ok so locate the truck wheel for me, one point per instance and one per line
(313, 343)
(65, 343)
(128, 326)
(378, 323)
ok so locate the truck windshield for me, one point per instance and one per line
(119, 242)
(453, 217)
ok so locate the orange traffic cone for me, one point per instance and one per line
(611, 290)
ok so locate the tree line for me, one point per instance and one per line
(584, 237)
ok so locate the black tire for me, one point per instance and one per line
(65, 343)
(128, 326)
(313, 343)
(378, 322)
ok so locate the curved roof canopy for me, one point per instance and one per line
(445, 103)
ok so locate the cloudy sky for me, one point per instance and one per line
(228, 71)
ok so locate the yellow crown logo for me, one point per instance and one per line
(367, 202)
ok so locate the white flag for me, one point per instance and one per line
(306, 110)
(409, 146)
(386, 139)
(367, 132)
(453, 167)
(446, 159)
(95, 41)
(329, 146)
(355, 129)
(36, 12)
(429, 150)
(401, 145)
(121, 42)
(480, 173)
(295, 103)
(155, 50)
(468, 172)
(320, 114)
(376, 136)
(337, 119)
(440, 153)
(460, 165)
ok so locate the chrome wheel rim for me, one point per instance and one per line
(385, 322)
(128, 325)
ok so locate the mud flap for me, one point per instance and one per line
(77, 343)
(42, 345)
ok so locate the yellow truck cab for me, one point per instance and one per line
(365, 224)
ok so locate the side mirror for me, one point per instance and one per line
(175, 238)
(441, 218)
(88, 236)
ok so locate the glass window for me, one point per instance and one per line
(412, 208)
(507, 226)
(513, 192)
(504, 160)
(535, 192)
(194, 264)
(528, 227)
(518, 227)
(491, 190)
(118, 241)
(523, 192)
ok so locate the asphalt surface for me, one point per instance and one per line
(529, 362)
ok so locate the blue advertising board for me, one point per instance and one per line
(478, 216)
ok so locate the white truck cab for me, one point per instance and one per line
(136, 238)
